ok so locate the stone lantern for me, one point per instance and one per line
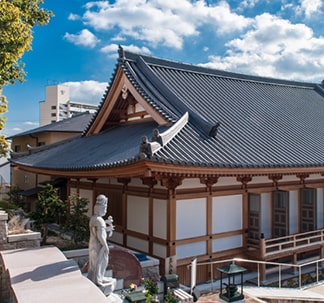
(229, 290)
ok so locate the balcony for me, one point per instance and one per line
(270, 249)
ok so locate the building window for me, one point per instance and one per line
(254, 216)
(26, 179)
(53, 107)
(53, 114)
(40, 143)
(280, 213)
(17, 149)
(308, 209)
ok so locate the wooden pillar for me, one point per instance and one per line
(262, 255)
(150, 182)
(125, 182)
(245, 206)
(171, 183)
(209, 182)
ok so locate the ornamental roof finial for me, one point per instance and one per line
(121, 53)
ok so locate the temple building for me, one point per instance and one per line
(200, 163)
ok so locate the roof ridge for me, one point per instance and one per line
(198, 68)
(200, 123)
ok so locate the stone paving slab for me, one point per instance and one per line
(43, 274)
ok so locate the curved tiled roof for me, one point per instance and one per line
(75, 124)
(263, 122)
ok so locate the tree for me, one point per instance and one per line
(17, 20)
(77, 222)
(49, 208)
(16, 198)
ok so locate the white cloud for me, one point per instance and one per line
(84, 38)
(276, 48)
(74, 17)
(31, 123)
(165, 23)
(309, 7)
(88, 91)
(16, 129)
(111, 49)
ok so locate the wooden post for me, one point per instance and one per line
(262, 255)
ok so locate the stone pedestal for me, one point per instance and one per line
(109, 286)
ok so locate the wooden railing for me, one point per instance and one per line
(307, 241)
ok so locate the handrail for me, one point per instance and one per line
(279, 245)
(280, 266)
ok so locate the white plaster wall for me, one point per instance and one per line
(287, 178)
(87, 194)
(137, 207)
(137, 244)
(293, 212)
(191, 250)
(117, 237)
(227, 243)
(265, 227)
(191, 218)
(227, 213)
(191, 183)
(160, 218)
(319, 194)
(137, 182)
(223, 181)
(159, 250)
(259, 179)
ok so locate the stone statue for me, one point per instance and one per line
(98, 246)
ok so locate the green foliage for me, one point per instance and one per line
(77, 222)
(17, 19)
(6, 206)
(151, 289)
(4, 144)
(170, 298)
(15, 198)
(49, 208)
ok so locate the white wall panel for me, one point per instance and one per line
(159, 250)
(160, 218)
(227, 213)
(117, 237)
(227, 243)
(137, 244)
(191, 250)
(191, 183)
(137, 214)
(191, 218)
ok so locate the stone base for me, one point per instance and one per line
(109, 286)
(114, 298)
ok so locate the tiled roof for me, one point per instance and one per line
(75, 124)
(115, 147)
(262, 122)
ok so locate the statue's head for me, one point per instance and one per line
(100, 208)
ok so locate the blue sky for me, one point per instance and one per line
(273, 38)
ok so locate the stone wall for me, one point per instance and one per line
(10, 242)
(14, 241)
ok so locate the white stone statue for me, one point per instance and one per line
(98, 246)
